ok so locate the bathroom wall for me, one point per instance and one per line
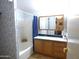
(7, 30)
(73, 29)
(73, 37)
(65, 24)
(24, 31)
(72, 21)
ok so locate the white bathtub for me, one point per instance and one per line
(24, 54)
(26, 50)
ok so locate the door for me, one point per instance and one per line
(73, 37)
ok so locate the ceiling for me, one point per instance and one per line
(26, 5)
(48, 7)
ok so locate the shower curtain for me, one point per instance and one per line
(35, 26)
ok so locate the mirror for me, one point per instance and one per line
(51, 25)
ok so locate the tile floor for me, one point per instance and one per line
(39, 56)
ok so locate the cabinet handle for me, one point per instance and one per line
(65, 50)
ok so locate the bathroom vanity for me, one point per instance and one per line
(50, 46)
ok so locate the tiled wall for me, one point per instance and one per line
(7, 30)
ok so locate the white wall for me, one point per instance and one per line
(24, 30)
(73, 37)
(73, 29)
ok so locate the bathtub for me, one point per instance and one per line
(26, 50)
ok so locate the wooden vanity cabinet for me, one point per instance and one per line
(50, 48)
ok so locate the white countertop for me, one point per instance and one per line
(50, 38)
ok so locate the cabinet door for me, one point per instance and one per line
(58, 53)
(58, 50)
(47, 48)
(38, 46)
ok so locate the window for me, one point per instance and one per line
(48, 25)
